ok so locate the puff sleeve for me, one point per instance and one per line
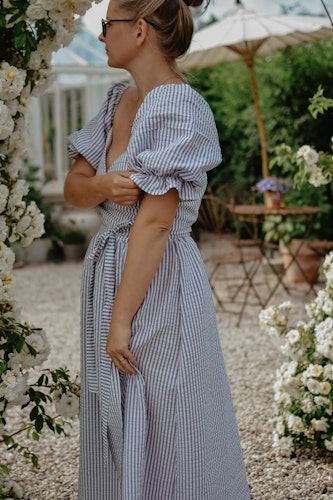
(174, 142)
(89, 142)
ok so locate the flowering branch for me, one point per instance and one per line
(303, 391)
(30, 30)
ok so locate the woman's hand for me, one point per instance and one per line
(117, 347)
(84, 189)
(119, 188)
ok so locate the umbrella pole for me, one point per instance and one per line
(262, 136)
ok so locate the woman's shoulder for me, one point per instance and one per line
(116, 91)
(171, 95)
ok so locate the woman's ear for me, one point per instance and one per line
(142, 31)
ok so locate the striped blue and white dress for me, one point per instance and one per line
(170, 432)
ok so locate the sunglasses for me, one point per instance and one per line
(106, 23)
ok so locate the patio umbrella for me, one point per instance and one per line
(243, 34)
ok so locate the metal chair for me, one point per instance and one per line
(243, 259)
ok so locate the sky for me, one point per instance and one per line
(220, 7)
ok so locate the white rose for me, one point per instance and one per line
(329, 444)
(81, 7)
(320, 425)
(321, 401)
(295, 424)
(4, 192)
(36, 12)
(13, 80)
(328, 372)
(308, 154)
(293, 336)
(68, 405)
(318, 178)
(21, 359)
(325, 388)
(7, 259)
(314, 371)
(35, 60)
(313, 386)
(6, 122)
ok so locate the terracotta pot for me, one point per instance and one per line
(274, 200)
(309, 260)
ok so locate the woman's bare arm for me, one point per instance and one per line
(147, 242)
(84, 189)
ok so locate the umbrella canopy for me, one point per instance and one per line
(243, 34)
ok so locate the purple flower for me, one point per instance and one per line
(274, 184)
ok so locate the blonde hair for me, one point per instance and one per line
(173, 18)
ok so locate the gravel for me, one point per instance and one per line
(49, 296)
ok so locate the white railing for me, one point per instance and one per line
(74, 98)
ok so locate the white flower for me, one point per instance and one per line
(313, 386)
(328, 372)
(13, 387)
(38, 341)
(295, 424)
(319, 178)
(293, 336)
(68, 405)
(324, 338)
(35, 12)
(307, 404)
(35, 60)
(320, 425)
(12, 80)
(19, 189)
(4, 192)
(6, 122)
(308, 154)
(325, 388)
(329, 444)
(7, 259)
(321, 401)
(313, 371)
(284, 445)
(21, 359)
(13, 488)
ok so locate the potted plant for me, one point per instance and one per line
(274, 189)
(72, 241)
(40, 248)
(302, 164)
(294, 235)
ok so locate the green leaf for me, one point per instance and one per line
(15, 18)
(49, 423)
(39, 423)
(35, 436)
(34, 413)
(34, 460)
(20, 40)
(4, 469)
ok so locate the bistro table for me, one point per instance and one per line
(250, 219)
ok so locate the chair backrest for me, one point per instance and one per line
(212, 213)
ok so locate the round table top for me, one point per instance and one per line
(264, 210)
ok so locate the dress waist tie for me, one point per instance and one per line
(124, 435)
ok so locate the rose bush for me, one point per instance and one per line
(30, 30)
(303, 390)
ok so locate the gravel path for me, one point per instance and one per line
(49, 295)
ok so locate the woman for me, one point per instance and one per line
(156, 412)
